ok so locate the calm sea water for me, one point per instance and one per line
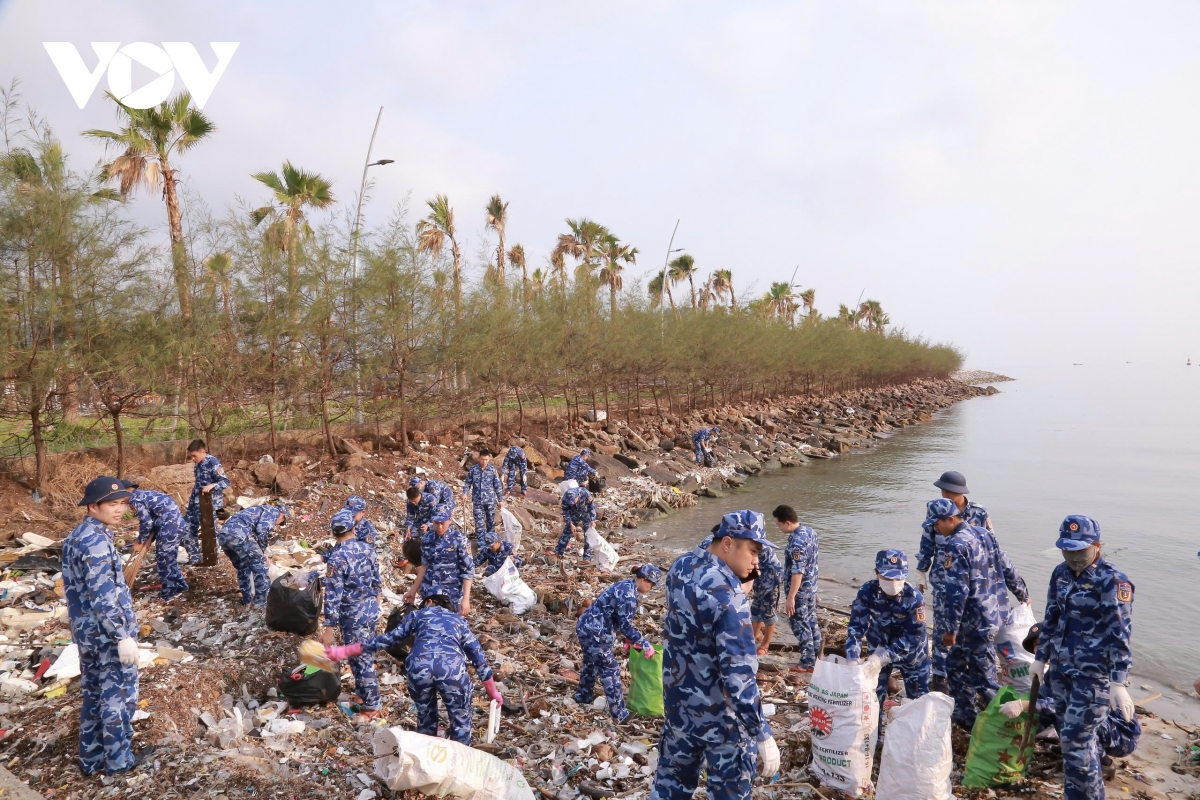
(1119, 443)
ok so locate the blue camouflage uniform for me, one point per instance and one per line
(578, 469)
(484, 487)
(894, 624)
(243, 537)
(419, 514)
(1085, 644)
(515, 463)
(578, 508)
(447, 563)
(701, 438)
(714, 715)
(764, 600)
(495, 558)
(801, 558)
(364, 531)
(436, 666)
(614, 608)
(158, 514)
(101, 613)
(352, 588)
(972, 514)
(966, 607)
(207, 471)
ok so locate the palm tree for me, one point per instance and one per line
(537, 281)
(722, 284)
(295, 190)
(684, 266)
(863, 315)
(613, 254)
(808, 297)
(708, 294)
(780, 301)
(497, 219)
(875, 317)
(847, 316)
(516, 255)
(582, 243)
(220, 268)
(151, 137)
(655, 288)
(432, 234)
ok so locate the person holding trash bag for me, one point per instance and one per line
(966, 614)
(352, 588)
(515, 463)
(104, 627)
(1084, 652)
(613, 609)
(243, 538)
(364, 530)
(578, 469)
(446, 564)
(437, 664)
(713, 709)
(420, 508)
(493, 553)
(702, 442)
(579, 514)
(801, 567)
(158, 515)
(210, 479)
(888, 617)
(483, 484)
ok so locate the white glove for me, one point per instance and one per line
(922, 579)
(1119, 700)
(1037, 669)
(1013, 708)
(127, 650)
(768, 758)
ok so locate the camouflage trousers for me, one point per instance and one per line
(251, 566)
(508, 478)
(166, 559)
(485, 520)
(564, 540)
(731, 767)
(971, 675)
(916, 680)
(765, 601)
(806, 627)
(430, 678)
(599, 662)
(1081, 710)
(110, 695)
(366, 684)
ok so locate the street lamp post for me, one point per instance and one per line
(662, 289)
(362, 192)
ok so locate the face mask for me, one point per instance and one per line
(891, 588)
(1079, 560)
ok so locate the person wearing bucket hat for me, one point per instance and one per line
(702, 443)
(1084, 652)
(159, 516)
(579, 513)
(613, 609)
(888, 619)
(493, 553)
(104, 627)
(364, 531)
(515, 464)
(446, 564)
(713, 709)
(801, 565)
(578, 469)
(243, 538)
(352, 588)
(954, 488)
(483, 484)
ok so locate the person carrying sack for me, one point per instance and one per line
(613, 609)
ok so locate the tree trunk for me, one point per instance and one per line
(499, 420)
(325, 424)
(607, 415)
(403, 415)
(271, 421)
(42, 466)
(654, 394)
(520, 411)
(546, 411)
(183, 286)
(119, 433)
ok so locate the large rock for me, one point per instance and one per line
(635, 442)
(540, 511)
(662, 475)
(287, 482)
(350, 461)
(609, 467)
(607, 449)
(627, 460)
(173, 474)
(348, 447)
(264, 472)
(544, 446)
(534, 458)
(689, 485)
(523, 516)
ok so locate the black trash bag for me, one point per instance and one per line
(412, 551)
(295, 610)
(400, 650)
(300, 689)
(710, 458)
(596, 484)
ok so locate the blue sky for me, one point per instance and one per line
(1017, 178)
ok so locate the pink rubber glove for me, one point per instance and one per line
(343, 651)
(492, 691)
(648, 651)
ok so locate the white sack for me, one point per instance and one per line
(439, 767)
(566, 485)
(67, 665)
(512, 528)
(844, 714)
(507, 586)
(917, 758)
(1015, 660)
(606, 555)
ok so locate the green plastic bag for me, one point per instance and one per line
(645, 684)
(995, 757)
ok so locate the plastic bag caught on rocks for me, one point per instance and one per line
(505, 585)
(406, 760)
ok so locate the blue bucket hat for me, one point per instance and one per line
(441, 513)
(490, 538)
(649, 572)
(415, 480)
(585, 452)
(1077, 532)
(745, 524)
(953, 482)
(941, 509)
(891, 564)
(104, 489)
(355, 504)
(573, 496)
(716, 429)
(342, 522)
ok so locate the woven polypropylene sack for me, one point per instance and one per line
(645, 683)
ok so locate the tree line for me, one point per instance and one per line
(281, 315)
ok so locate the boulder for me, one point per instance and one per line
(353, 479)
(708, 491)
(635, 442)
(350, 462)
(552, 451)
(627, 460)
(689, 484)
(522, 515)
(348, 447)
(662, 475)
(666, 445)
(534, 458)
(607, 449)
(539, 511)
(287, 482)
(173, 475)
(264, 472)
